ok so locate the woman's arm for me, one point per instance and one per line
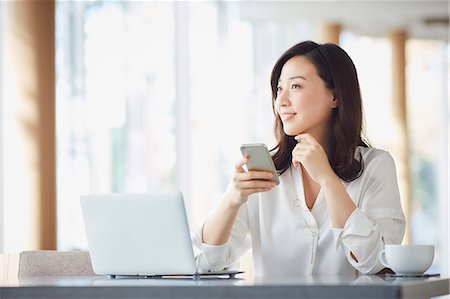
(314, 159)
(217, 228)
(378, 220)
(340, 205)
(218, 257)
(223, 237)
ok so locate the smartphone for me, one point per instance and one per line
(259, 159)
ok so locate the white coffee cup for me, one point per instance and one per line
(407, 259)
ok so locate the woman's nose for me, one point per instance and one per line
(283, 98)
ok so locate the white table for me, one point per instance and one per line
(369, 286)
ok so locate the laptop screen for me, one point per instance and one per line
(138, 233)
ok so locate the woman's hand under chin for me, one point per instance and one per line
(309, 153)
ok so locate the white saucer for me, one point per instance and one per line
(412, 275)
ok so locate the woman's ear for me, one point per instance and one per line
(334, 103)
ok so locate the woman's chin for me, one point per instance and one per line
(291, 131)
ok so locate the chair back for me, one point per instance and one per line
(55, 263)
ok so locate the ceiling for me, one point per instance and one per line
(421, 19)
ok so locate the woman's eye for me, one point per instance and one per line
(294, 86)
(279, 89)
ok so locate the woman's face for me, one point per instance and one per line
(303, 102)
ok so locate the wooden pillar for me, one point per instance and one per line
(29, 109)
(329, 33)
(2, 84)
(401, 149)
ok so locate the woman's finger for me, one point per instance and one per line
(238, 166)
(244, 193)
(255, 184)
(254, 175)
(305, 137)
(299, 152)
(303, 148)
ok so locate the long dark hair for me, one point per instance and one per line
(337, 70)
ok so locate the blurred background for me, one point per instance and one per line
(133, 96)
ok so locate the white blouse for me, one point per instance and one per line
(288, 239)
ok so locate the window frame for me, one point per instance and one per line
(444, 168)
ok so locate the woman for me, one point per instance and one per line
(337, 203)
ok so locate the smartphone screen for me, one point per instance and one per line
(259, 159)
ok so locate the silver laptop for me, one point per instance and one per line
(141, 234)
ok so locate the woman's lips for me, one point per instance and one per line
(287, 116)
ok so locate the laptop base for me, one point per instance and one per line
(196, 276)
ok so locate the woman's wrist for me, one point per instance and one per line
(232, 202)
(330, 179)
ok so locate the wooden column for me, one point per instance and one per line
(30, 174)
(401, 148)
(329, 33)
(2, 84)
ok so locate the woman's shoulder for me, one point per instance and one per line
(374, 157)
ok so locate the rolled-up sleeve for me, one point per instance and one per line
(218, 257)
(378, 219)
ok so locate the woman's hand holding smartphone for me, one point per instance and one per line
(259, 159)
(260, 177)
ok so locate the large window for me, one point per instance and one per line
(125, 70)
(159, 95)
(427, 72)
(115, 103)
